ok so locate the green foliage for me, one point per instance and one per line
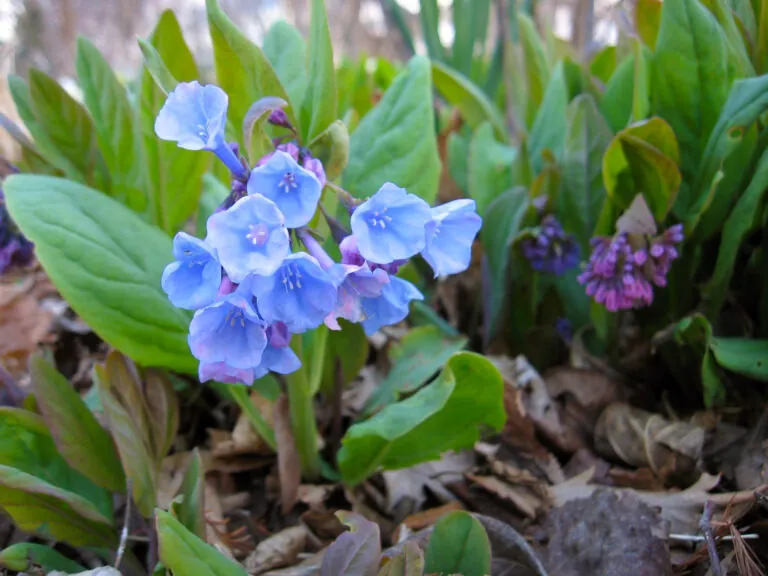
(284, 46)
(318, 109)
(489, 167)
(444, 415)
(24, 555)
(189, 506)
(458, 545)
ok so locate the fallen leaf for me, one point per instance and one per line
(23, 322)
(521, 497)
(288, 465)
(428, 517)
(245, 440)
(355, 552)
(323, 524)
(582, 394)
(278, 550)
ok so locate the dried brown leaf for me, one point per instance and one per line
(278, 550)
(288, 464)
(521, 497)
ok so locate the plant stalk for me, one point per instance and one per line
(241, 396)
(302, 410)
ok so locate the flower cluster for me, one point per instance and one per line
(249, 284)
(15, 249)
(550, 249)
(622, 270)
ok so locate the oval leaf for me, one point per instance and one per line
(458, 545)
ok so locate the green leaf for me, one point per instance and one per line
(745, 218)
(470, 23)
(474, 105)
(603, 63)
(502, 223)
(458, 545)
(641, 97)
(155, 65)
(286, 50)
(691, 77)
(318, 109)
(642, 159)
(417, 358)
(695, 332)
(214, 194)
(175, 173)
(116, 126)
(190, 508)
(490, 167)
(187, 555)
(729, 149)
(583, 194)
(548, 130)
(738, 57)
(760, 50)
(648, 20)
(396, 141)
(69, 129)
(256, 141)
(24, 555)
(86, 446)
(743, 356)
(107, 264)
(242, 69)
(429, 14)
(458, 160)
(348, 346)
(444, 415)
(537, 72)
(332, 149)
(616, 103)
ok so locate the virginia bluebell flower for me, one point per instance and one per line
(193, 280)
(250, 237)
(296, 191)
(390, 225)
(622, 270)
(300, 293)
(195, 116)
(550, 249)
(223, 372)
(391, 306)
(278, 356)
(449, 236)
(229, 331)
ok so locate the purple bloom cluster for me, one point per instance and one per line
(550, 249)
(622, 270)
(251, 291)
(15, 249)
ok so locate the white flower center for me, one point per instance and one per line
(258, 234)
(380, 218)
(288, 182)
(291, 278)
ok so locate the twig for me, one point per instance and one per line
(126, 523)
(696, 538)
(705, 526)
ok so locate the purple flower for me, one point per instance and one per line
(296, 191)
(278, 356)
(622, 270)
(15, 249)
(350, 255)
(278, 117)
(223, 372)
(300, 293)
(550, 249)
(249, 238)
(316, 167)
(390, 225)
(193, 280)
(229, 331)
(194, 116)
(449, 236)
(391, 306)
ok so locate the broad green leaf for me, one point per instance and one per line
(24, 555)
(286, 50)
(458, 160)
(349, 346)
(502, 223)
(603, 63)
(38, 506)
(318, 109)
(155, 65)
(648, 20)
(419, 355)
(490, 167)
(743, 356)
(695, 332)
(474, 105)
(356, 551)
(746, 19)
(458, 545)
(256, 141)
(729, 149)
(189, 507)
(125, 411)
(242, 69)
(641, 89)
(760, 49)
(745, 218)
(537, 72)
(470, 23)
(175, 173)
(642, 159)
(69, 128)
(429, 14)
(332, 149)
(31, 160)
(107, 264)
(396, 141)
(444, 415)
(583, 194)
(116, 126)
(184, 554)
(616, 103)
(86, 446)
(691, 79)
(548, 130)
(738, 54)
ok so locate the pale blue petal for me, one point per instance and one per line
(391, 307)
(191, 282)
(449, 237)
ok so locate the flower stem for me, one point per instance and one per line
(260, 425)
(302, 409)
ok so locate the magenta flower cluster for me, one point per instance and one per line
(623, 270)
